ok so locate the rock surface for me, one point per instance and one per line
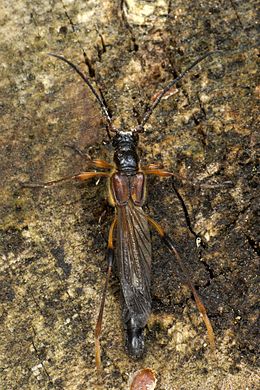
(53, 241)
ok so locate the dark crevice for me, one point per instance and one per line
(123, 17)
(254, 245)
(87, 61)
(91, 70)
(103, 48)
(69, 18)
(236, 13)
(40, 359)
(174, 73)
(34, 20)
(70, 21)
(169, 8)
(209, 270)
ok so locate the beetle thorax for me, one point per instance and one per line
(126, 157)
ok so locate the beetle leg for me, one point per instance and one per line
(150, 170)
(81, 176)
(101, 164)
(110, 259)
(161, 172)
(151, 166)
(197, 298)
(97, 163)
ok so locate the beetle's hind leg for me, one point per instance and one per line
(110, 259)
(199, 303)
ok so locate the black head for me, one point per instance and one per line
(126, 157)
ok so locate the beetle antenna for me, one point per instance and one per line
(100, 99)
(150, 110)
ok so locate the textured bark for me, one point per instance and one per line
(52, 244)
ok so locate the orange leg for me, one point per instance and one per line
(198, 300)
(101, 164)
(81, 176)
(151, 166)
(110, 258)
(163, 173)
(150, 170)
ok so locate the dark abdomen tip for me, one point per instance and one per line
(134, 340)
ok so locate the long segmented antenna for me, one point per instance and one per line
(99, 99)
(150, 110)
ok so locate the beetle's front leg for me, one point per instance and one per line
(96, 163)
(81, 177)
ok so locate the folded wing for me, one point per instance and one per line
(133, 256)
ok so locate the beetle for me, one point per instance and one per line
(133, 252)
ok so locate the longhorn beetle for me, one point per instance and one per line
(127, 188)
